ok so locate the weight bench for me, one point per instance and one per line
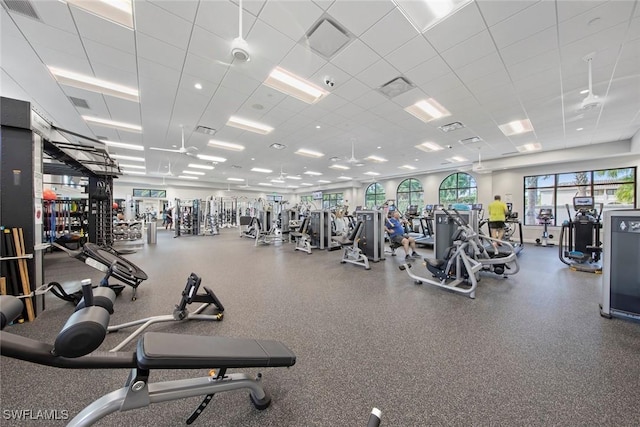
(110, 263)
(76, 344)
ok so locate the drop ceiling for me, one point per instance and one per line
(490, 63)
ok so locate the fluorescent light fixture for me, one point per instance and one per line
(261, 170)
(292, 177)
(197, 166)
(225, 145)
(110, 123)
(117, 11)
(293, 186)
(372, 173)
(267, 184)
(235, 179)
(324, 181)
(345, 177)
(132, 166)
(427, 110)
(532, 146)
(341, 167)
(309, 153)
(187, 177)
(134, 172)
(429, 147)
(130, 158)
(277, 181)
(244, 124)
(516, 127)
(584, 91)
(211, 158)
(292, 85)
(313, 173)
(125, 146)
(408, 167)
(425, 14)
(92, 84)
(306, 184)
(376, 159)
(457, 159)
(193, 173)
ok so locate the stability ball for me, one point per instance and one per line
(49, 194)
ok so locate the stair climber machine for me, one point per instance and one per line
(580, 246)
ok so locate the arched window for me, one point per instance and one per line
(409, 193)
(458, 187)
(374, 196)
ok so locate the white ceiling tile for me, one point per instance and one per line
(204, 70)
(355, 58)
(442, 84)
(121, 109)
(480, 68)
(302, 62)
(495, 11)
(378, 74)
(352, 89)
(370, 99)
(428, 71)
(458, 27)
(595, 20)
(408, 98)
(568, 10)
(410, 54)
(324, 4)
(544, 41)
(388, 34)
(153, 73)
(158, 51)
(488, 82)
(50, 37)
(211, 46)
(184, 9)
(292, 18)
(117, 75)
(241, 83)
(54, 58)
(332, 102)
(543, 62)
(338, 75)
(526, 23)
(99, 53)
(105, 32)
(358, 16)
(469, 50)
(55, 14)
(267, 44)
(162, 25)
(221, 18)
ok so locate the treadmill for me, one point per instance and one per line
(426, 226)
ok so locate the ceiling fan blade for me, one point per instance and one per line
(164, 149)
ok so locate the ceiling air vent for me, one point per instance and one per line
(278, 146)
(449, 127)
(472, 140)
(236, 167)
(23, 7)
(326, 37)
(396, 87)
(205, 130)
(79, 102)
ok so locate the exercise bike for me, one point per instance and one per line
(544, 217)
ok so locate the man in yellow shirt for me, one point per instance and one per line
(497, 215)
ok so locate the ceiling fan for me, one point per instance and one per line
(239, 46)
(189, 151)
(351, 160)
(281, 177)
(591, 101)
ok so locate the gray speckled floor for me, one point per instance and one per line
(529, 350)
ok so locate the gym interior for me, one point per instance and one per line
(252, 268)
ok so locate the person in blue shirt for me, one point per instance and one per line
(395, 227)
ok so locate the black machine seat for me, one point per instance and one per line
(437, 263)
(159, 350)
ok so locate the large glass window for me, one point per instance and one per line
(409, 193)
(332, 200)
(374, 196)
(611, 188)
(458, 188)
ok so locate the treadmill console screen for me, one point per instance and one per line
(583, 202)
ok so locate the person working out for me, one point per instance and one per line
(498, 211)
(169, 220)
(395, 228)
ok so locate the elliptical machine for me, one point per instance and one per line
(580, 246)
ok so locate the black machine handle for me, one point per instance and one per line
(374, 418)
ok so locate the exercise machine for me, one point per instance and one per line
(620, 267)
(110, 263)
(352, 252)
(511, 225)
(76, 344)
(181, 311)
(302, 237)
(372, 237)
(580, 245)
(544, 217)
(426, 227)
